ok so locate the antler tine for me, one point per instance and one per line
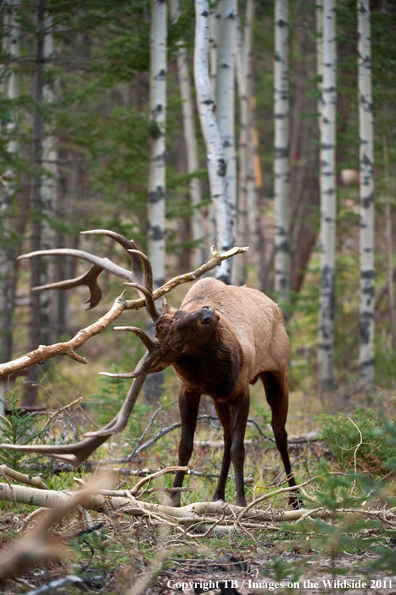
(118, 424)
(148, 271)
(150, 304)
(105, 263)
(144, 366)
(149, 343)
(77, 453)
(128, 245)
(90, 279)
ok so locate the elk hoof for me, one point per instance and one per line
(175, 500)
(296, 502)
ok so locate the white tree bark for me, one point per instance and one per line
(366, 314)
(319, 52)
(225, 99)
(327, 201)
(190, 139)
(213, 35)
(7, 251)
(217, 166)
(156, 187)
(281, 158)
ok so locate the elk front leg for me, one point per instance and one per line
(188, 405)
(239, 414)
(223, 414)
(277, 393)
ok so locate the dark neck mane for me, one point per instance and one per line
(216, 372)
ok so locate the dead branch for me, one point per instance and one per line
(191, 513)
(140, 483)
(22, 477)
(44, 352)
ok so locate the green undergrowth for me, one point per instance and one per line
(359, 440)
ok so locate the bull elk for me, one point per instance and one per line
(222, 339)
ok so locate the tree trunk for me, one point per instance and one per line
(49, 191)
(246, 157)
(281, 157)
(303, 157)
(7, 233)
(199, 254)
(366, 313)
(156, 185)
(225, 101)
(37, 324)
(327, 201)
(388, 232)
(217, 166)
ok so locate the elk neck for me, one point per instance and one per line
(215, 371)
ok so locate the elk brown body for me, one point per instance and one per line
(222, 339)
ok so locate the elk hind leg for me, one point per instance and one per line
(277, 393)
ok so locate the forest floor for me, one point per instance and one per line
(154, 560)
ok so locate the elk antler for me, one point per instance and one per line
(135, 275)
(77, 453)
(150, 362)
(90, 279)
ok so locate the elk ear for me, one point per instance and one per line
(167, 309)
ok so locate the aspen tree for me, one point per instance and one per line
(214, 17)
(281, 158)
(190, 138)
(366, 184)
(156, 185)
(327, 200)
(217, 166)
(225, 99)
